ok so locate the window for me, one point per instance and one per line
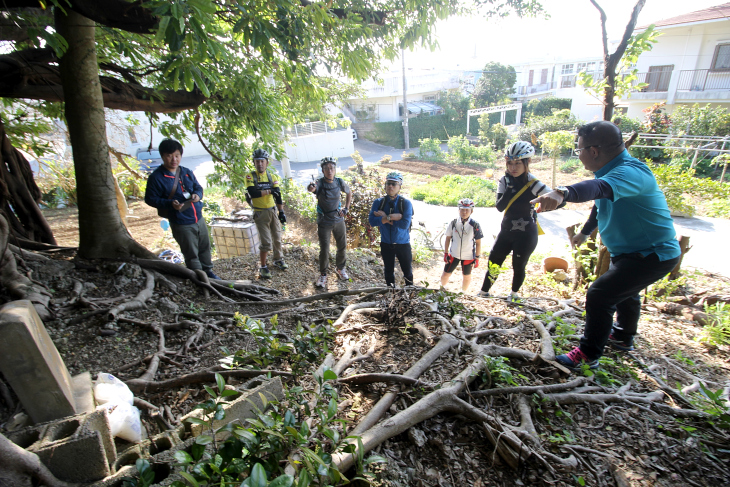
(582, 67)
(430, 97)
(721, 59)
(543, 76)
(531, 77)
(567, 69)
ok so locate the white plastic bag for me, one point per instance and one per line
(124, 421)
(110, 389)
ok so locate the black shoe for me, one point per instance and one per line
(625, 345)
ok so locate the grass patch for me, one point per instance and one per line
(448, 190)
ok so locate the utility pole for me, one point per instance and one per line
(405, 101)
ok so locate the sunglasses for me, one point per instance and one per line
(391, 183)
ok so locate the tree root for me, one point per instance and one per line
(18, 465)
(138, 302)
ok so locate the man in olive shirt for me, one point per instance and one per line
(263, 189)
(331, 219)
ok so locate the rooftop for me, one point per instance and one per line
(713, 13)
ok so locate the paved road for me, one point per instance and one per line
(708, 236)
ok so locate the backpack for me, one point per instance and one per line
(400, 208)
(256, 185)
(341, 183)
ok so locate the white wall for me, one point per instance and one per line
(584, 106)
(315, 147)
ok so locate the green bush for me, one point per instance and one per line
(448, 190)
(696, 120)
(569, 166)
(544, 107)
(430, 150)
(438, 127)
(462, 152)
(560, 120)
(677, 184)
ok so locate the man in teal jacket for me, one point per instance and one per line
(633, 219)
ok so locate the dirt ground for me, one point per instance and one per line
(628, 442)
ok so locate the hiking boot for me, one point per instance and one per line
(281, 265)
(342, 274)
(264, 272)
(625, 345)
(484, 294)
(211, 275)
(321, 281)
(513, 297)
(575, 359)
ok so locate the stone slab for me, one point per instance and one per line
(32, 365)
(242, 407)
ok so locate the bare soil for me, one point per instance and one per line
(615, 443)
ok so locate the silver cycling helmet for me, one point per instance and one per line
(519, 150)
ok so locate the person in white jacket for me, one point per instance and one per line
(464, 244)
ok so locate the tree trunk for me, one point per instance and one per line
(101, 231)
(21, 195)
(684, 248)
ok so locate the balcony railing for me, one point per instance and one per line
(655, 81)
(703, 80)
(528, 90)
(312, 128)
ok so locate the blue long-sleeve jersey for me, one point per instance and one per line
(397, 232)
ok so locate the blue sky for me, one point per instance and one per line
(573, 29)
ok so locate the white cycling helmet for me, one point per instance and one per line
(466, 203)
(519, 150)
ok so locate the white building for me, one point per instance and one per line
(558, 78)
(690, 63)
(383, 101)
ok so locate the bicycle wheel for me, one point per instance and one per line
(420, 238)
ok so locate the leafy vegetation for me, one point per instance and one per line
(559, 120)
(718, 331)
(545, 107)
(450, 189)
(495, 85)
(677, 184)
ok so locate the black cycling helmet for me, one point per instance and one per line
(327, 160)
(260, 154)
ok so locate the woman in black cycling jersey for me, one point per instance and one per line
(519, 230)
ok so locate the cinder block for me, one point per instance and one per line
(32, 365)
(81, 459)
(76, 449)
(241, 407)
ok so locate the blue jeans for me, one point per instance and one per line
(617, 291)
(405, 259)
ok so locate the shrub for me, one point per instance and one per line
(462, 152)
(438, 127)
(450, 189)
(498, 136)
(545, 107)
(560, 120)
(677, 183)
(430, 150)
(696, 120)
(557, 142)
(298, 198)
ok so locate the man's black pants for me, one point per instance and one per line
(405, 259)
(617, 291)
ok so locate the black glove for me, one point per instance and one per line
(282, 217)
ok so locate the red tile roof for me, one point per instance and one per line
(712, 13)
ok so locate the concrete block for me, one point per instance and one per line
(76, 449)
(32, 365)
(79, 460)
(240, 408)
